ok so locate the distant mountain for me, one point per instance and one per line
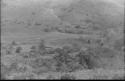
(105, 13)
(60, 16)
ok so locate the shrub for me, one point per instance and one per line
(42, 62)
(88, 59)
(67, 77)
(73, 66)
(33, 52)
(50, 77)
(33, 49)
(41, 47)
(4, 71)
(67, 49)
(105, 52)
(9, 49)
(78, 26)
(99, 54)
(37, 24)
(65, 62)
(24, 77)
(14, 66)
(14, 43)
(57, 50)
(76, 47)
(84, 60)
(118, 77)
(100, 77)
(37, 63)
(118, 44)
(18, 49)
(3, 4)
(70, 31)
(47, 30)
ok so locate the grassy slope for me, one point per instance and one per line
(21, 32)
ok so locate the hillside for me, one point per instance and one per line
(62, 39)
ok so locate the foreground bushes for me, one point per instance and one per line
(64, 59)
(67, 77)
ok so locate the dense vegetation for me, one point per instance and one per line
(41, 59)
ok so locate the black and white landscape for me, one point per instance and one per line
(62, 39)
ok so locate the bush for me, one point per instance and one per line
(3, 4)
(89, 59)
(73, 66)
(41, 47)
(50, 77)
(47, 30)
(66, 62)
(33, 49)
(40, 63)
(78, 26)
(76, 47)
(100, 77)
(37, 63)
(24, 77)
(18, 49)
(67, 77)
(34, 52)
(118, 44)
(99, 54)
(58, 50)
(4, 71)
(118, 77)
(14, 66)
(9, 49)
(14, 43)
(67, 49)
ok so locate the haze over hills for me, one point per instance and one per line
(55, 12)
